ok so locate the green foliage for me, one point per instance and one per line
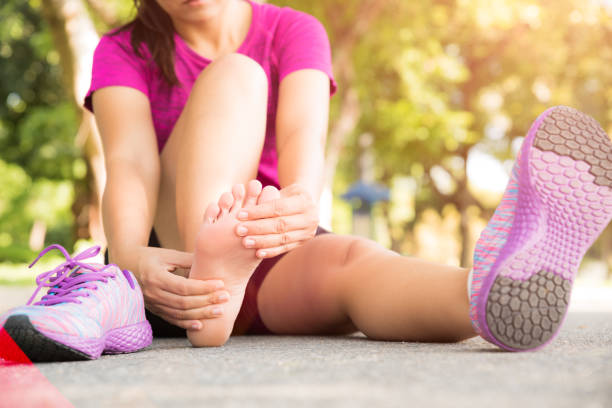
(46, 142)
(117, 11)
(24, 200)
(439, 79)
(39, 161)
(436, 79)
(16, 253)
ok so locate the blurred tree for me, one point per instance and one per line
(75, 39)
(37, 127)
(346, 29)
(436, 80)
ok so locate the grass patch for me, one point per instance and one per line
(18, 274)
(18, 282)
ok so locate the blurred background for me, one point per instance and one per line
(434, 99)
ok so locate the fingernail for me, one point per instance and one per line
(223, 296)
(196, 326)
(217, 311)
(242, 231)
(262, 254)
(249, 242)
(243, 215)
(219, 285)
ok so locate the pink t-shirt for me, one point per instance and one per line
(281, 40)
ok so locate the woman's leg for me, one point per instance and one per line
(556, 204)
(338, 283)
(216, 143)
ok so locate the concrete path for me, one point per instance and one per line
(275, 371)
(271, 371)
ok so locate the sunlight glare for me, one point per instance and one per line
(486, 172)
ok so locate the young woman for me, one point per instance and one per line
(196, 96)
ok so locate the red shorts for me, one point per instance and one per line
(248, 320)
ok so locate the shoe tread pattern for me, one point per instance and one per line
(36, 346)
(571, 170)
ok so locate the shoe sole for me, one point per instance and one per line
(41, 347)
(564, 202)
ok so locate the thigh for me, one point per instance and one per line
(302, 293)
(216, 142)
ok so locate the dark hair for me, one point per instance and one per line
(153, 26)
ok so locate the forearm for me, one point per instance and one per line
(128, 210)
(302, 161)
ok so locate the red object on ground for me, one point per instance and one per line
(21, 383)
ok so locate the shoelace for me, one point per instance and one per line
(65, 281)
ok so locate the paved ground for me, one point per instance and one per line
(270, 371)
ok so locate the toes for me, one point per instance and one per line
(269, 193)
(238, 193)
(211, 213)
(253, 191)
(226, 201)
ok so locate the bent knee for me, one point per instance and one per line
(345, 250)
(357, 249)
(242, 70)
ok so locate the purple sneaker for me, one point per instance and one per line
(89, 309)
(558, 201)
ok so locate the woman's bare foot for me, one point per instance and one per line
(219, 254)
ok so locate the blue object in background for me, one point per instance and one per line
(363, 196)
(368, 194)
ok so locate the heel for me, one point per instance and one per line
(524, 315)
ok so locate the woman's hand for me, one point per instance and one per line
(280, 225)
(177, 299)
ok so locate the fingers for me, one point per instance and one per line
(272, 252)
(255, 195)
(206, 312)
(187, 311)
(175, 301)
(187, 287)
(183, 324)
(174, 258)
(278, 225)
(286, 218)
(275, 208)
(276, 240)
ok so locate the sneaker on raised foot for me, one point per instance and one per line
(89, 309)
(557, 202)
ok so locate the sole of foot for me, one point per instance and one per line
(564, 202)
(219, 254)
